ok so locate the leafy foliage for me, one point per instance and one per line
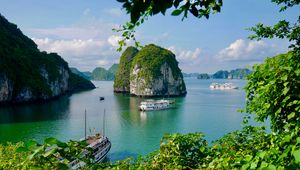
(273, 91)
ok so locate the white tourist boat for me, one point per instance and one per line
(225, 86)
(148, 105)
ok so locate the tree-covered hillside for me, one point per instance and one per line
(25, 72)
(100, 73)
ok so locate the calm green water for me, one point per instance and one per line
(130, 131)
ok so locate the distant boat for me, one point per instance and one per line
(225, 86)
(148, 105)
(101, 98)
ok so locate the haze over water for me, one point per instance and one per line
(131, 132)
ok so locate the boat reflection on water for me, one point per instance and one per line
(143, 116)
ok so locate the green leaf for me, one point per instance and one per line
(21, 149)
(296, 155)
(292, 115)
(177, 12)
(30, 144)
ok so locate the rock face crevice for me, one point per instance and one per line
(154, 72)
(6, 88)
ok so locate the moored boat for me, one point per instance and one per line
(100, 146)
(148, 105)
(225, 86)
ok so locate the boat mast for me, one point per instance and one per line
(103, 123)
(85, 124)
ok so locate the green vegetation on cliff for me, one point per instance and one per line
(22, 63)
(122, 80)
(151, 58)
(77, 83)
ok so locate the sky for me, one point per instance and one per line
(81, 32)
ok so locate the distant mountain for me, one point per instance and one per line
(203, 76)
(190, 74)
(86, 75)
(113, 68)
(221, 74)
(224, 74)
(100, 73)
(239, 73)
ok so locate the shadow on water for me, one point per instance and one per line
(52, 110)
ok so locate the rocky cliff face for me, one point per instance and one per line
(163, 85)
(58, 86)
(6, 88)
(153, 71)
(26, 74)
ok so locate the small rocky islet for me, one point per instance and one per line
(151, 72)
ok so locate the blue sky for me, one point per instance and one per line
(80, 31)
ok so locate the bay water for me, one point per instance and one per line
(131, 132)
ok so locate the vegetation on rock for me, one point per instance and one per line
(25, 66)
(151, 57)
(122, 80)
(77, 83)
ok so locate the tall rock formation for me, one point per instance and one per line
(155, 72)
(122, 82)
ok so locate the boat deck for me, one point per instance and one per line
(92, 139)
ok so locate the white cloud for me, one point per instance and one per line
(188, 59)
(115, 12)
(186, 55)
(88, 44)
(114, 40)
(103, 62)
(75, 47)
(242, 50)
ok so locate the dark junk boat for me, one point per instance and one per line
(99, 144)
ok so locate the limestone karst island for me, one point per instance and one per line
(150, 84)
(153, 71)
